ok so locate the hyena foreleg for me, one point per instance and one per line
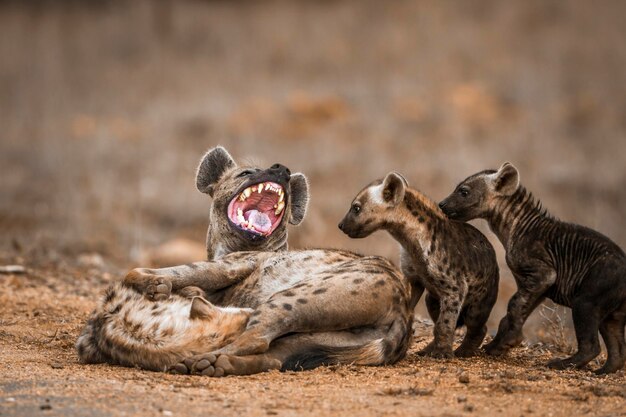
(158, 284)
(530, 294)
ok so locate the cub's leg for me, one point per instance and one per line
(586, 323)
(432, 305)
(612, 331)
(530, 293)
(475, 318)
(446, 325)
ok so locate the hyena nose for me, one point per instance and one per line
(341, 226)
(442, 204)
(281, 170)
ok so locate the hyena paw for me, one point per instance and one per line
(158, 288)
(198, 365)
(561, 364)
(427, 350)
(495, 349)
(441, 353)
(463, 352)
(191, 292)
(207, 364)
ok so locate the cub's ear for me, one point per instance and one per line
(394, 187)
(202, 309)
(299, 186)
(506, 180)
(212, 167)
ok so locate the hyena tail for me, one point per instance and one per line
(388, 349)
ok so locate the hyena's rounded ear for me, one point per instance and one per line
(212, 166)
(202, 309)
(394, 187)
(506, 180)
(299, 188)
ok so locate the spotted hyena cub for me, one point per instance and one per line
(453, 261)
(572, 265)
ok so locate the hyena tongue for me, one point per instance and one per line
(259, 220)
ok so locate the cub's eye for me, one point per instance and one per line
(245, 173)
(464, 192)
(356, 208)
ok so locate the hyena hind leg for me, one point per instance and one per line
(475, 319)
(586, 325)
(612, 331)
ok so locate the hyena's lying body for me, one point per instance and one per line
(311, 307)
(570, 264)
(453, 261)
(128, 329)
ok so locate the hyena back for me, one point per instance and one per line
(572, 265)
(453, 261)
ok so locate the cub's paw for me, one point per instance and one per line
(495, 349)
(441, 353)
(462, 352)
(427, 350)
(561, 364)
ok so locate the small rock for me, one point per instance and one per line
(12, 269)
(93, 260)
(45, 407)
(167, 413)
(461, 399)
(464, 378)
(10, 399)
(468, 407)
(57, 365)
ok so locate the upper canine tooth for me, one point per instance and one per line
(267, 186)
(281, 197)
(280, 208)
(247, 192)
(260, 187)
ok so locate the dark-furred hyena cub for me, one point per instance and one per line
(570, 264)
(453, 261)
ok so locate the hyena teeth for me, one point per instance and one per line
(260, 188)
(280, 208)
(281, 197)
(267, 186)
(240, 217)
(247, 192)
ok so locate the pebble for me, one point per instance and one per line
(57, 365)
(464, 378)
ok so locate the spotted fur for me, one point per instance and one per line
(453, 261)
(310, 307)
(570, 264)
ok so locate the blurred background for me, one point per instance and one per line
(107, 106)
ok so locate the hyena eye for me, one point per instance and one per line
(356, 208)
(463, 192)
(245, 173)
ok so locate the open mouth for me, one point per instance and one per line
(258, 209)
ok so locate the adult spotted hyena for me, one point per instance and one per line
(309, 307)
(572, 265)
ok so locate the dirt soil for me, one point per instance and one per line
(106, 107)
(43, 310)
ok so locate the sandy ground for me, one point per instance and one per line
(42, 312)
